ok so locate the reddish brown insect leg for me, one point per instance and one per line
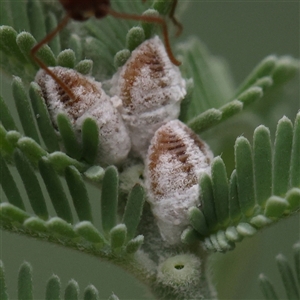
(172, 17)
(149, 19)
(174, 20)
(44, 41)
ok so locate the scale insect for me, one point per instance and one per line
(139, 118)
(79, 10)
(146, 93)
(91, 101)
(176, 159)
(151, 89)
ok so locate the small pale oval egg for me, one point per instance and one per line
(91, 101)
(151, 89)
(176, 158)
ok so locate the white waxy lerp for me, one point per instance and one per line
(175, 161)
(151, 89)
(91, 101)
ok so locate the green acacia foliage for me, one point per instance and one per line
(289, 276)
(57, 164)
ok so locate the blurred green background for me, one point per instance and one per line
(242, 32)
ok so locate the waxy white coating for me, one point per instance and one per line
(151, 89)
(92, 102)
(142, 116)
(176, 158)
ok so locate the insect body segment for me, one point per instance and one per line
(80, 10)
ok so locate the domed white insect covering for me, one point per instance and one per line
(151, 89)
(175, 161)
(91, 101)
